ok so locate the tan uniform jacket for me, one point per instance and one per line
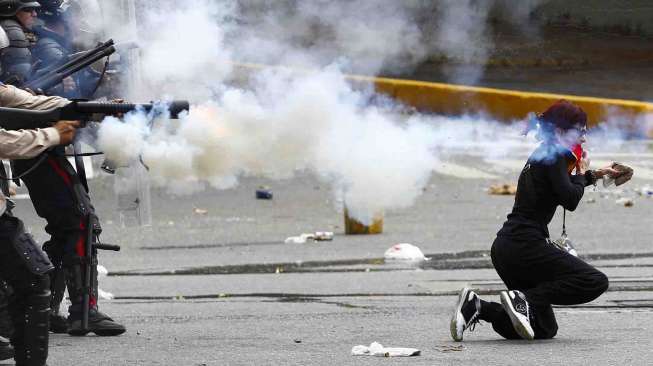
(26, 144)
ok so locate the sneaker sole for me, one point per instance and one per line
(457, 316)
(524, 331)
(78, 332)
(109, 332)
(6, 354)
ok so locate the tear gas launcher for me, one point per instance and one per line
(23, 119)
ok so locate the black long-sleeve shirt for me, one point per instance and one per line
(543, 185)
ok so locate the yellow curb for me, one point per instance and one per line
(502, 104)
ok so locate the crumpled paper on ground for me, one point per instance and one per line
(377, 349)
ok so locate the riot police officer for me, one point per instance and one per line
(58, 196)
(17, 17)
(53, 46)
(22, 263)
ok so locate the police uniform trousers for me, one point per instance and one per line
(59, 197)
(24, 267)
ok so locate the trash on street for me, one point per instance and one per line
(377, 349)
(316, 236)
(503, 189)
(404, 252)
(263, 193)
(625, 201)
(200, 211)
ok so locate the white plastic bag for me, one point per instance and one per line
(103, 272)
(404, 252)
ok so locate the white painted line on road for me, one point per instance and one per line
(620, 155)
(512, 164)
(464, 172)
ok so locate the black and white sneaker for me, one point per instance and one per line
(515, 304)
(466, 314)
(6, 350)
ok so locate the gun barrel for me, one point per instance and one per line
(81, 55)
(24, 119)
(51, 79)
(175, 107)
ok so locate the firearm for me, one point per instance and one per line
(23, 119)
(54, 75)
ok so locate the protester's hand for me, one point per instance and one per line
(67, 130)
(69, 84)
(584, 163)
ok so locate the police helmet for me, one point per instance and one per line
(9, 8)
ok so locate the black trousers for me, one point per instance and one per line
(59, 197)
(547, 276)
(51, 187)
(6, 328)
(29, 304)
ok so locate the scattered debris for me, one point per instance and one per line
(591, 200)
(405, 252)
(444, 348)
(645, 191)
(103, 272)
(376, 349)
(297, 239)
(263, 193)
(503, 189)
(200, 211)
(323, 236)
(627, 202)
(317, 236)
(104, 295)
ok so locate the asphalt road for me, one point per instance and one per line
(222, 288)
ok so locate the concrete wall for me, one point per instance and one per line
(625, 16)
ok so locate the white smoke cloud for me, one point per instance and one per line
(279, 122)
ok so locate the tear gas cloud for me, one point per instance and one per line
(373, 154)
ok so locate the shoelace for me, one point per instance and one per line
(475, 318)
(472, 323)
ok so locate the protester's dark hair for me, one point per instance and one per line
(563, 115)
